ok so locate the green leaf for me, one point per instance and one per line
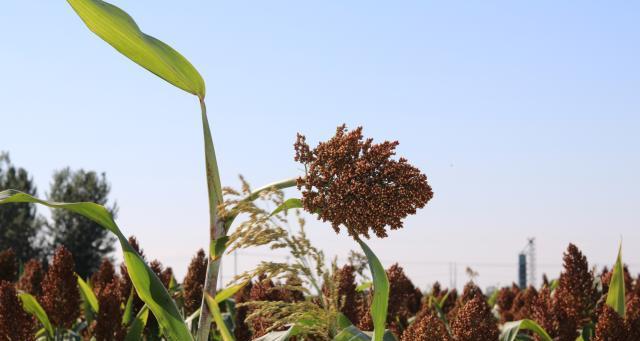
(87, 294)
(228, 292)
(510, 330)
(127, 315)
(343, 321)
(615, 296)
(31, 305)
(119, 30)
(147, 284)
(217, 247)
(287, 205)
(380, 292)
(217, 317)
(137, 327)
(351, 333)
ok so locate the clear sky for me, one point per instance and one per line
(524, 115)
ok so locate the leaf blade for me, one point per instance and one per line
(31, 305)
(510, 330)
(148, 286)
(380, 292)
(616, 294)
(119, 30)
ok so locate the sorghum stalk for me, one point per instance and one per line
(217, 226)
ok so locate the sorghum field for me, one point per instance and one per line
(350, 183)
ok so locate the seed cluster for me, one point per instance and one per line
(194, 282)
(15, 323)
(356, 183)
(426, 327)
(8, 266)
(475, 322)
(60, 295)
(31, 279)
(108, 325)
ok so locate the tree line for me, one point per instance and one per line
(32, 236)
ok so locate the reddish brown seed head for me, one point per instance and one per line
(60, 295)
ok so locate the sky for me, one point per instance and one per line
(523, 115)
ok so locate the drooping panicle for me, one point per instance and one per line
(357, 184)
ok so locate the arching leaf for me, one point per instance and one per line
(147, 284)
(118, 29)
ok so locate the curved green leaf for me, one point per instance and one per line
(87, 294)
(228, 292)
(510, 330)
(615, 296)
(287, 205)
(343, 321)
(119, 30)
(217, 317)
(145, 281)
(380, 292)
(137, 327)
(279, 335)
(127, 315)
(31, 305)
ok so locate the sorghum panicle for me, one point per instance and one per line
(31, 279)
(610, 326)
(576, 292)
(60, 293)
(194, 282)
(553, 318)
(242, 331)
(346, 282)
(15, 323)
(108, 325)
(353, 182)
(632, 319)
(106, 274)
(504, 301)
(8, 266)
(475, 322)
(263, 290)
(522, 307)
(404, 299)
(426, 327)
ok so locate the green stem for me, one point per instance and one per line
(216, 226)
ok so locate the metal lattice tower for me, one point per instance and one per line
(531, 254)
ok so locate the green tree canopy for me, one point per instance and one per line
(88, 242)
(20, 225)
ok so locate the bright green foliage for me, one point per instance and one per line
(137, 327)
(31, 305)
(616, 295)
(217, 317)
(118, 29)
(380, 292)
(510, 330)
(147, 284)
(88, 296)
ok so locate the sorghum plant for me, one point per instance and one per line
(426, 327)
(193, 283)
(475, 321)
(60, 296)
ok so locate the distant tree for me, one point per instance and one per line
(20, 225)
(87, 241)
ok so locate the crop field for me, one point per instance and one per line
(350, 183)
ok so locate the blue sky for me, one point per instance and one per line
(525, 117)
